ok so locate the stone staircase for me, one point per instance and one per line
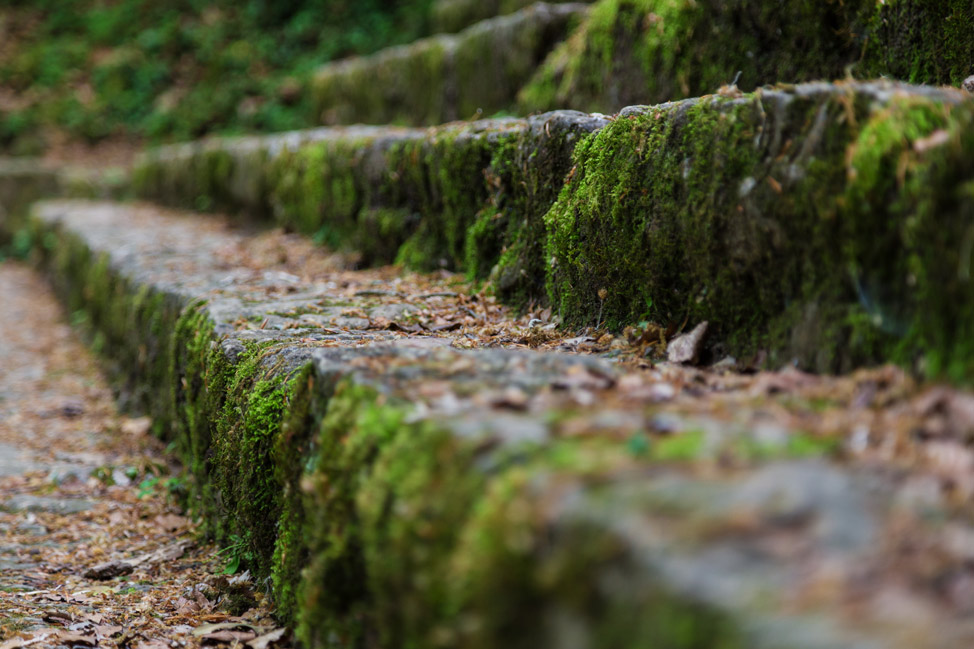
(398, 487)
(725, 209)
(412, 463)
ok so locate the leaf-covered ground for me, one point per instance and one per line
(94, 550)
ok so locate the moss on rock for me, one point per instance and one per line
(525, 175)
(450, 16)
(921, 41)
(650, 51)
(443, 78)
(380, 518)
(801, 223)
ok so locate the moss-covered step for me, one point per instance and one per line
(826, 224)
(25, 180)
(477, 72)
(451, 16)
(399, 491)
(460, 196)
(650, 51)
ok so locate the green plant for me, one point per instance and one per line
(235, 555)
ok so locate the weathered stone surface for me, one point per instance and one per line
(29, 503)
(16, 461)
(651, 51)
(476, 72)
(402, 494)
(451, 16)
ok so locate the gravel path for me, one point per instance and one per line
(85, 494)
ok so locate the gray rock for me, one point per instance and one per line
(30, 503)
(686, 348)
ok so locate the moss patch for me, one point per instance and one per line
(649, 51)
(797, 221)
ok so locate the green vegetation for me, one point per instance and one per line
(177, 70)
(922, 41)
(839, 244)
(446, 77)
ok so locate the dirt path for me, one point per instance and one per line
(94, 551)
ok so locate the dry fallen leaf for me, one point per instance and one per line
(171, 522)
(75, 639)
(220, 626)
(264, 641)
(109, 570)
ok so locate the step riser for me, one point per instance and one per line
(645, 51)
(443, 78)
(384, 518)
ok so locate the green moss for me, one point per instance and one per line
(922, 41)
(383, 89)
(523, 576)
(526, 172)
(649, 192)
(257, 397)
(908, 232)
(412, 507)
(440, 178)
(313, 188)
(294, 450)
(650, 51)
(443, 78)
(818, 247)
(334, 599)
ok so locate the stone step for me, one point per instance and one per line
(645, 51)
(399, 489)
(824, 224)
(25, 180)
(452, 16)
(446, 77)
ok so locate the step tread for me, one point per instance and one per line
(791, 511)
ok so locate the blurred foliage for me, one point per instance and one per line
(177, 69)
